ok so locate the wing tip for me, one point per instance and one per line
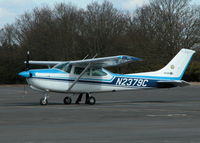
(131, 58)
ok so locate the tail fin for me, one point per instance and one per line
(175, 69)
(177, 66)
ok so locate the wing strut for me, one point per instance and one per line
(80, 75)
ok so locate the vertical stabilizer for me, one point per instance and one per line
(177, 66)
(175, 69)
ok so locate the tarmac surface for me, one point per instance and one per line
(153, 116)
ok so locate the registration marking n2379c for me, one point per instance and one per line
(132, 82)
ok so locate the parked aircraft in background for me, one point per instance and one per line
(89, 76)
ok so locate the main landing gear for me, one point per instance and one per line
(88, 100)
(67, 100)
(91, 100)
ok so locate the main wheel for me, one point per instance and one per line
(43, 101)
(91, 100)
(67, 100)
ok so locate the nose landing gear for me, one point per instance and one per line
(44, 101)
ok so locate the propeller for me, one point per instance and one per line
(27, 67)
(27, 60)
(25, 89)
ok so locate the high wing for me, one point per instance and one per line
(97, 62)
(106, 61)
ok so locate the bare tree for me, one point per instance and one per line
(165, 26)
(66, 32)
(103, 24)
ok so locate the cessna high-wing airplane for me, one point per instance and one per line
(90, 76)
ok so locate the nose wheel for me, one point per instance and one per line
(43, 101)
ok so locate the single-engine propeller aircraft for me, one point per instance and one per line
(89, 76)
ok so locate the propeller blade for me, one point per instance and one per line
(27, 60)
(25, 90)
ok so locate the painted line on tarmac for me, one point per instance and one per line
(167, 115)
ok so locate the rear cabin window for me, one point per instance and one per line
(78, 71)
(98, 72)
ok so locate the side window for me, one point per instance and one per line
(98, 72)
(65, 67)
(68, 68)
(78, 71)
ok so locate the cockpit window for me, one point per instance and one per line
(68, 68)
(65, 67)
(98, 72)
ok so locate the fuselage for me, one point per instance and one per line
(56, 80)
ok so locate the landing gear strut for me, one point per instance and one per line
(44, 101)
(79, 98)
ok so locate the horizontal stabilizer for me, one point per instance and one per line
(172, 83)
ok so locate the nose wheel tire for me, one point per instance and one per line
(43, 101)
(67, 100)
(91, 100)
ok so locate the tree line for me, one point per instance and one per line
(154, 32)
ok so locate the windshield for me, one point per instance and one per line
(65, 67)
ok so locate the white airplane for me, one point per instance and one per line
(90, 76)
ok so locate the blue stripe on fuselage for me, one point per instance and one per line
(117, 81)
